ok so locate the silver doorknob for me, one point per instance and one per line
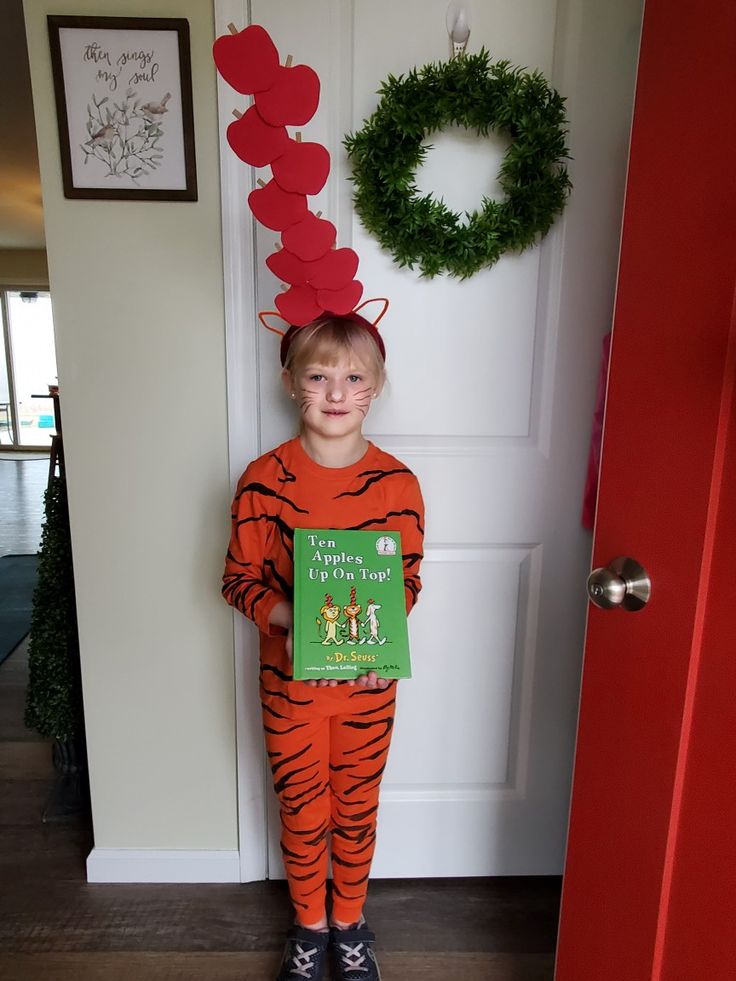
(624, 584)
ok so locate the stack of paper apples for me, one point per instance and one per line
(320, 277)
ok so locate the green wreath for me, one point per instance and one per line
(420, 230)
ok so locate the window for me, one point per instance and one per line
(27, 369)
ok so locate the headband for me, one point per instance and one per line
(318, 279)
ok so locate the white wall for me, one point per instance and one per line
(138, 309)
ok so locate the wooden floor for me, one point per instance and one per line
(54, 926)
(22, 483)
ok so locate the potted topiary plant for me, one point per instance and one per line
(54, 697)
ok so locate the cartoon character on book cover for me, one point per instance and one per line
(330, 615)
(352, 611)
(371, 621)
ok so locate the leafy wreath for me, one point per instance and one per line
(420, 230)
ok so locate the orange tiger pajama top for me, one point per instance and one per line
(327, 747)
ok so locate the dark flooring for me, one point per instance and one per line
(57, 927)
(22, 483)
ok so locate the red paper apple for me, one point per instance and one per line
(255, 142)
(310, 238)
(275, 208)
(293, 97)
(302, 167)
(340, 301)
(298, 305)
(288, 267)
(334, 270)
(248, 60)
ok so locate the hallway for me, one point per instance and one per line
(55, 925)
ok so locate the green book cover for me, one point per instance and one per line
(349, 605)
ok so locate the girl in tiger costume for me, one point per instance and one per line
(327, 741)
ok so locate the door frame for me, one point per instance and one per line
(242, 341)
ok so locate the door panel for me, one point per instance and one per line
(670, 403)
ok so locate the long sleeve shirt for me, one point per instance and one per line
(285, 489)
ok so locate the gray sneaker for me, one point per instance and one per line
(352, 954)
(305, 954)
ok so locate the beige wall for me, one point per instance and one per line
(138, 310)
(23, 267)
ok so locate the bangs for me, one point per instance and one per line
(329, 341)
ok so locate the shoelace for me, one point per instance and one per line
(351, 957)
(301, 963)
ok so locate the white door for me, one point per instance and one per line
(492, 384)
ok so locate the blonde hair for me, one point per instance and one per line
(326, 341)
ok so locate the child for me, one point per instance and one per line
(327, 742)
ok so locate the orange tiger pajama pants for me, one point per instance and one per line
(327, 748)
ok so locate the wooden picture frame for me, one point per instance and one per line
(123, 89)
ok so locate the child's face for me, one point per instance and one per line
(334, 400)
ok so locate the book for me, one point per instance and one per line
(349, 605)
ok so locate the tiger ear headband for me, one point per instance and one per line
(318, 278)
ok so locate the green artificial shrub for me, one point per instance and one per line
(54, 697)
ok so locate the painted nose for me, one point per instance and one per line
(336, 394)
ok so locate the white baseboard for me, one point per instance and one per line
(162, 865)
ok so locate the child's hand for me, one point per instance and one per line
(282, 615)
(370, 680)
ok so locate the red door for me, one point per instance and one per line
(650, 882)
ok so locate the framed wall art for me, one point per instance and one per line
(123, 90)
